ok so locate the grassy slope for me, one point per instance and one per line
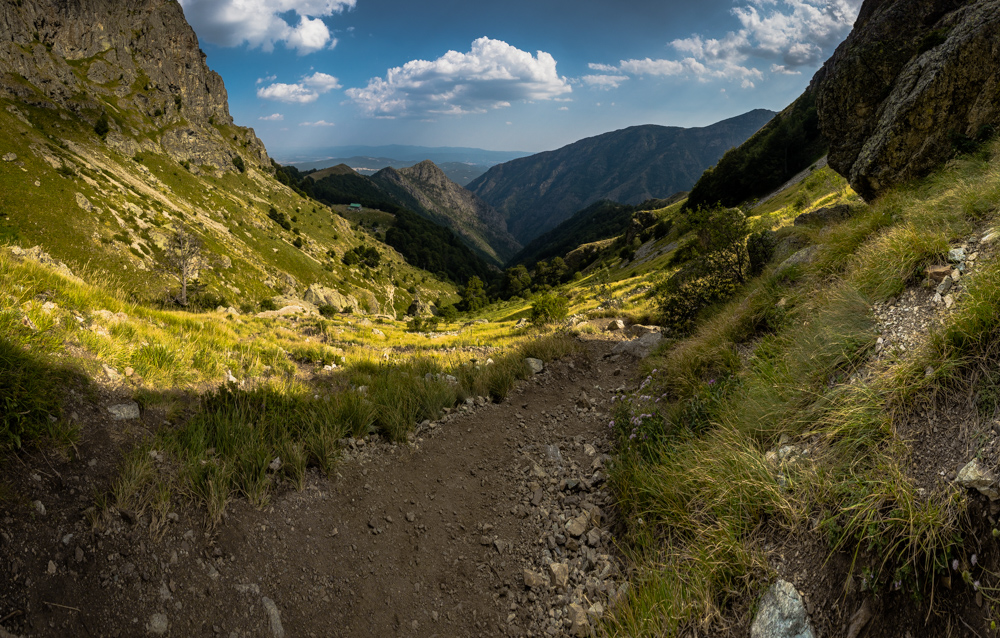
(137, 203)
(692, 477)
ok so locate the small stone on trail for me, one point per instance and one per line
(274, 617)
(580, 624)
(275, 464)
(616, 325)
(589, 449)
(52, 568)
(552, 451)
(859, 620)
(158, 624)
(39, 507)
(577, 526)
(781, 614)
(410, 517)
(938, 273)
(535, 580)
(956, 255)
(559, 573)
(536, 365)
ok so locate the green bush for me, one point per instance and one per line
(327, 310)
(760, 248)
(268, 304)
(549, 308)
(102, 127)
(239, 164)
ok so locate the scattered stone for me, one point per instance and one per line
(990, 237)
(938, 273)
(781, 614)
(410, 517)
(589, 449)
(522, 322)
(9, 157)
(956, 255)
(536, 365)
(594, 537)
(52, 568)
(616, 325)
(124, 411)
(559, 573)
(584, 401)
(129, 371)
(230, 378)
(577, 526)
(274, 617)
(975, 476)
(949, 301)
(534, 580)
(945, 285)
(39, 507)
(552, 452)
(158, 624)
(275, 465)
(579, 623)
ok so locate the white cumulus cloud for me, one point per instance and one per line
(604, 81)
(274, 117)
(493, 74)
(304, 92)
(317, 123)
(262, 23)
(794, 34)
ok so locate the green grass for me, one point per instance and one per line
(692, 475)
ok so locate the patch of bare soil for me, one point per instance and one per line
(493, 521)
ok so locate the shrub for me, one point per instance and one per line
(268, 304)
(297, 242)
(760, 249)
(327, 310)
(239, 164)
(102, 127)
(549, 308)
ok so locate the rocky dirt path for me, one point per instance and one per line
(494, 521)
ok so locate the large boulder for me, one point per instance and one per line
(322, 296)
(913, 78)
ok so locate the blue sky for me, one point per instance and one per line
(527, 75)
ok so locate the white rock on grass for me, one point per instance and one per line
(781, 614)
(536, 365)
(124, 411)
(975, 476)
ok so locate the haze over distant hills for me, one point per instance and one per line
(535, 194)
(458, 172)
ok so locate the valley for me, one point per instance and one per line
(728, 380)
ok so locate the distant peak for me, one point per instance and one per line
(424, 170)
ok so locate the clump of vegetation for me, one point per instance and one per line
(240, 165)
(102, 127)
(549, 308)
(363, 255)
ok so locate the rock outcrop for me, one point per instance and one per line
(140, 63)
(914, 80)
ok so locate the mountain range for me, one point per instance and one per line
(534, 194)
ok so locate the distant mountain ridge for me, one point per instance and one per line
(427, 190)
(405, 153)
(459, 172)
(535, 194)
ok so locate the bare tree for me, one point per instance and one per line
(184, 257)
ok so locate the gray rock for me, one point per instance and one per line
(273, 617)
(522, 322)
(956, 255)
(803, 257)
(938, 273)
(945, 285)
(39, 507)
(577, 526)
(9, 157)
(594, 537)
(158, 624)
(275, 465)
(616, 325)
(975, 476)
(536, 365)
(781, 614)
(901, 87)
(637, 330)
(124, 411)
(552, 452)
(640, 347)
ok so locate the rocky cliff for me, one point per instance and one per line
(428, 190)
(139, 62)
(914, 81)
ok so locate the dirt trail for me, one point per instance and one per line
(430, 539)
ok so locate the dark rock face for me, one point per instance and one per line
(137, 59)
(914, 77)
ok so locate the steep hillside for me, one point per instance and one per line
(536, 193)
(116, 138)
(786, 145)
(428, 190)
